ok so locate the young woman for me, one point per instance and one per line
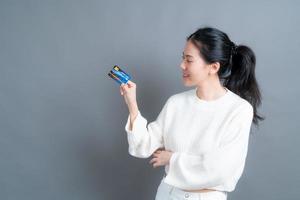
(201, 135)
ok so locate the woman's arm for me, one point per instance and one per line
(129, 92)
(143, 138)
(133, 110)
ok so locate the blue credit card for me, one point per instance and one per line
(119, 75)
(115, 78)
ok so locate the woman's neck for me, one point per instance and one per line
(210, 91)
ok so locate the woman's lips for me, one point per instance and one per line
(185, 75)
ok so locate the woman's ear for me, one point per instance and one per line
(214, 68)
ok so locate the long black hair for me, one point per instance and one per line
(237, 64)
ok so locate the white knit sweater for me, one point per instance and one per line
(209, 139)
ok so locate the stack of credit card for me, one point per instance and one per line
(119, 75)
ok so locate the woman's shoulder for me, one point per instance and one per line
(240, 103)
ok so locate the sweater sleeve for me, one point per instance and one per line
(144, 139)
(213, 168)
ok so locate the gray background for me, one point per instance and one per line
(62, 119)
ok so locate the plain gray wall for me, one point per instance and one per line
(62, 118)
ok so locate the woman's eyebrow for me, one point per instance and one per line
(187, 55)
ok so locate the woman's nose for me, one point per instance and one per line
(182, 66)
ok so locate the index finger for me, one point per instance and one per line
(130, 82)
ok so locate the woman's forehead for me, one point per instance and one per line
(190, 49)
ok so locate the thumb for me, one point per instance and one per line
(129, 84)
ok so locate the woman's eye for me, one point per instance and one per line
(189, 61)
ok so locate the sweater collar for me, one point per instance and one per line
(211, 103)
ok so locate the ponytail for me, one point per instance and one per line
(242, 79)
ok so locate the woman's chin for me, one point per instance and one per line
(186, 82)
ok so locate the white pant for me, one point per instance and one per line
(168, 192)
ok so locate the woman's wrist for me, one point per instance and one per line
(133, 108)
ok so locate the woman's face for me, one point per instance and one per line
(194, 69)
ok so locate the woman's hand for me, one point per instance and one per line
(129, 92)
(161, 158)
